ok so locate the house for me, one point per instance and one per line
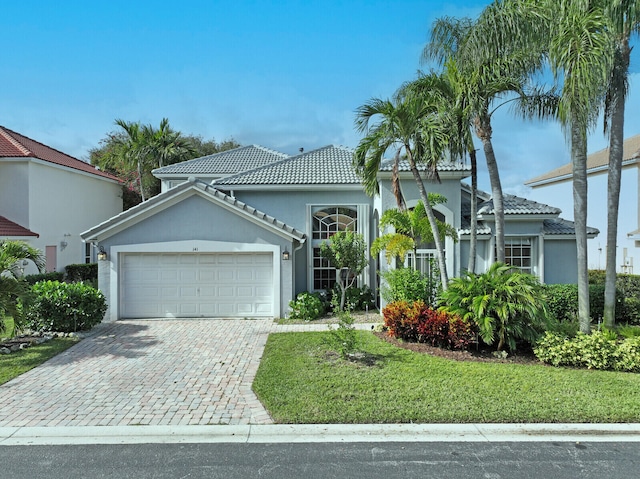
(246, 243)
(47, 198)
(557, 184)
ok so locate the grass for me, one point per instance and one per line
(19, 362)
(300, 380)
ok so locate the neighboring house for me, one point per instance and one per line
(47, 198)
(557, 184)
(247, 243)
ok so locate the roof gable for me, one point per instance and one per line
(329, 165)
(164, 200)
(10, 228)
(224, 163)
(596, 162)
(15, 145)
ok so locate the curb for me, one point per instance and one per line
(308, 433)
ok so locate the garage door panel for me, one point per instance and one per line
(196, 285)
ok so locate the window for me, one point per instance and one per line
(518, 253)
(326, 221)
(87, 253)
(426, 261)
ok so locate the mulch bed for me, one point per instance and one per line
(480, 355)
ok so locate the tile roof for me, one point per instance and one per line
(14, 145)
(10, 228)
(559, 226)
(514, 205)
(236, 205)
(226, 162)
(403, 165)
(324, 166)
(595, 162)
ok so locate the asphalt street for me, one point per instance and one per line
(558, 460)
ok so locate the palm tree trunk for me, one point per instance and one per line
(484, 132)
(613, 182)
(579, 162)
(473, 240)
(444, 277)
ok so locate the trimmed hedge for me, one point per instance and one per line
(81, 272)
(63, 307)
(562, 300)
(35, 278)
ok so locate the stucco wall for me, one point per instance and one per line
(560, 261)
(197, 221)
(14, 191)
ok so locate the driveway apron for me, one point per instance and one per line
(169, 372)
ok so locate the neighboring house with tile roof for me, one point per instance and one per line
(246, 243)
(48, 198)
(557, 184)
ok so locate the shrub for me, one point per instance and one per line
(307, 306)
(504, 303)
(358, 299)
(64, 307)
(562, 300)
(598, 350)
(81, 272)
(344, 336)
(406, 284)
(418, 322)
(52, 276)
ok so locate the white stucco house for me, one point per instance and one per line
(557, 184)
(229, 238)
(47, 198)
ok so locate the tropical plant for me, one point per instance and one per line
(13, 286)
(407, 124)
(346, 252)
(624, 20)
(406, 284)
(506, 304)
(411, 227)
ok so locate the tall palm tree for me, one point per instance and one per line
(624, 18)
(487, 73)
(447, 92)
(407, 125)
(577, 37)
(12, 285)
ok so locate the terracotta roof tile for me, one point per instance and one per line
(14, 144)
(10, 228)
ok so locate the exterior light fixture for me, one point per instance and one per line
(285, 254)
(102, 254)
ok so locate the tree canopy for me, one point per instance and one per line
(133, 150)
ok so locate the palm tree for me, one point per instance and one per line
(624, 19)
(486, 73)
(409, 126)
(411, 227)
(12, 285)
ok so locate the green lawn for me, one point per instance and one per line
(301, 381)
(19, 362)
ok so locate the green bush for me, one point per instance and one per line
(35, 278)
(307, 306)
(64, 307)
(357, 299)
(504, 303)
(406, 284)
(627, 296)
(81, 272)
(562, 300)
(598, 350)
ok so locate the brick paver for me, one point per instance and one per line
(167, 372)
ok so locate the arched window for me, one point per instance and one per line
(326, 222)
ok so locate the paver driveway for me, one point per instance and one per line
(146, 373)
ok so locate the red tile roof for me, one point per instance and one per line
(9, 228)
(14, 144)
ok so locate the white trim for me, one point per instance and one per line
(189, 246)
(298, 187)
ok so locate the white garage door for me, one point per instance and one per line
(194, 285)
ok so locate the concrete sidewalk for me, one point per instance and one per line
(307, 433)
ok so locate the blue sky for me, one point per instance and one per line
(283, 74)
